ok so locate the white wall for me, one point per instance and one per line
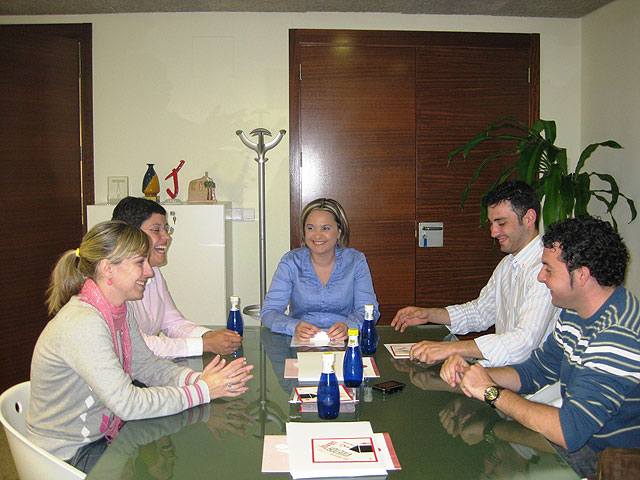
(611, 107)
(177, 86)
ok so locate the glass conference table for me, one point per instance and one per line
(436, 433)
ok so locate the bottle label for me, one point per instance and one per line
(328, 359)
(353, 342)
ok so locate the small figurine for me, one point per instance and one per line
(202, 190)
(174, 174)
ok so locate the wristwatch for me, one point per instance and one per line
(491, 394)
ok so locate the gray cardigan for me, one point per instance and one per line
(78, 383)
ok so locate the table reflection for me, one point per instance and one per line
(437, 432)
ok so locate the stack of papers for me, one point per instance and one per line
(320, 450)
(310, 367)
(307, 398)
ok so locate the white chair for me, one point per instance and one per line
(32, 462)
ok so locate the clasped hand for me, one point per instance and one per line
(472, 379)
(226, 380)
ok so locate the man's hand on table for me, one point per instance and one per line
(221, 341)
(430, 352)
(410, 316)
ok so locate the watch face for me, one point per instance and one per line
(491, 393)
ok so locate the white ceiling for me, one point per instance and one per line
(517, 8)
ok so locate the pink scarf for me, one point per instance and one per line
(116, 318)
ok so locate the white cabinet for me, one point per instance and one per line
(198, 269)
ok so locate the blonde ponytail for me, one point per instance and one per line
(114, 241)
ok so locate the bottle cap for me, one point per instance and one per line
(328, 358)
(368, 307)
(234, 298)
(353, 332)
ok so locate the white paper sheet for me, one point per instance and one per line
(310, 366)
(333, 449)
(275, 453)
(320, 340)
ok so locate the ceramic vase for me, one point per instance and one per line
(150, 183)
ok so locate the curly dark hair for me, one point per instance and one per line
(519, 193)
(589, 242)
(135, 211)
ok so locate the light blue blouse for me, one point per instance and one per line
(342, 299)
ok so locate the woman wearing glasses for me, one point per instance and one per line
(156, 312)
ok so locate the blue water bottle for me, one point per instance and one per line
(368, 336)
(352, 365)
(234, 321)
(328, 394)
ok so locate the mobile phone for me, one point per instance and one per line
(390, 386)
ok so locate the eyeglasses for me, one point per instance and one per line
(158, 229)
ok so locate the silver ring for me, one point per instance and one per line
(228, 383)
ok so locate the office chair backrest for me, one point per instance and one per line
(32, 462)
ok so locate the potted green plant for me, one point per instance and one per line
(543, 165)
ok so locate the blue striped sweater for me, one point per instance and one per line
(597, 361)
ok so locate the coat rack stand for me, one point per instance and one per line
(261, 148)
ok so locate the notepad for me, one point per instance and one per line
(275, 453)
(310, 367)
(333, 449)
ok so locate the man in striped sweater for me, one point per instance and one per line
(594, 350)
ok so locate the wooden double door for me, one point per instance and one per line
(373, 117)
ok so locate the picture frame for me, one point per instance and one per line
(117, 189)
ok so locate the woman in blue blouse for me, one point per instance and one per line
(325, 284)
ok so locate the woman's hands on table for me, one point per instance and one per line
(226, 380)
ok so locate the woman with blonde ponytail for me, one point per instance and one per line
(88, 355)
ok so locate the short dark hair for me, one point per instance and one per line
(589, 242)
(520, 194)
(135, 211)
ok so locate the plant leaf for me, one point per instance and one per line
(586, 153)
(567, 195)
(552, 208)
(606, 202)
(614, 190)
(582, 193)
(476, 174)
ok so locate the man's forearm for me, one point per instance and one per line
(465, 348)
(505, 377)
(439, 315)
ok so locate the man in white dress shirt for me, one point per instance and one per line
(513, 300)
